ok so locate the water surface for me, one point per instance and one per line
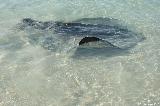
(32, 76)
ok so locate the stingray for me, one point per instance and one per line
(91, 33)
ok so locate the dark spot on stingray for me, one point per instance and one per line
(88, 39)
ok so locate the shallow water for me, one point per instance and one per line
(32, 76)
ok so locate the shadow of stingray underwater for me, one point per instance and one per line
(96, 36)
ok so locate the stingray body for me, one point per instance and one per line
(109, 32)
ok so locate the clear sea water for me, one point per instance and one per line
(33, 76)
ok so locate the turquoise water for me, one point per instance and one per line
(33, 76)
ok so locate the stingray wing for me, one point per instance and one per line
(101, 21)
